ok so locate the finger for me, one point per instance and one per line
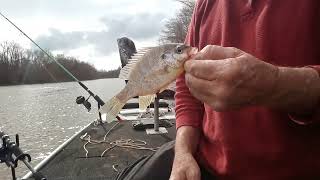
(215, 52)
(202, 98)
(198, 87)
(206, 69)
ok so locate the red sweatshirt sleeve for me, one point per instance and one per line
(189, 111)
(315, 116)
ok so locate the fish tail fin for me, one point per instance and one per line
(112, 109)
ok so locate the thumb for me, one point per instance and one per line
(214, 52)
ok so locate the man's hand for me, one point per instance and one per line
(228, 78)
(185, 167)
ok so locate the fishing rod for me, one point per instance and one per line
(80, 99)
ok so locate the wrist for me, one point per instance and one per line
(187, 139)
(296, 90)
(182, 152)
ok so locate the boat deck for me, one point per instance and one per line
(72, 163)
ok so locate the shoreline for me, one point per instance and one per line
(39, 83)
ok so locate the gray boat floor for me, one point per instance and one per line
(71, 163)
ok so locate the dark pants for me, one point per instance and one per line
(156, 167)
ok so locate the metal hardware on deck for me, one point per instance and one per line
(10, 153)
(156, 129)
(162, 130)
(156, 114)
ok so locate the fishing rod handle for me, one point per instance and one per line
(99, 100)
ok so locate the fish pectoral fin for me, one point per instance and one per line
(171, 86)
(111, 109)
(145, 101)
(162, 89)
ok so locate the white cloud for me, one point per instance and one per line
(107, 62)
(86, 29)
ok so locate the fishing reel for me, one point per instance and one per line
(7, 149)
(10, 154)
(84, 102)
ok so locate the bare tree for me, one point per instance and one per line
(23, 66)
(175, 29)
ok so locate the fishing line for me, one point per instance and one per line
(52, 58)
(80, 99)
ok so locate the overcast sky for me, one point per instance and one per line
(86, 29)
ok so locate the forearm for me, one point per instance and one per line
(297, 90)
(187, 140)
(189, 111)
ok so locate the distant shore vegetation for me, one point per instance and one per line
(25, 66)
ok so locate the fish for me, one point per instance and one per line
(150, 71)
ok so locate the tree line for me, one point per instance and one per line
(25, 66)
(175, 29)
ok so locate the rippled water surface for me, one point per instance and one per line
(45, 115)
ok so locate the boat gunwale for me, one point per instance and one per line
(46, 160)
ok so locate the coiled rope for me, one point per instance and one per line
(122, 143)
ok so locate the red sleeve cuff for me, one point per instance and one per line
(315, 116)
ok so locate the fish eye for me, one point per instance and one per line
(179, 50)
(163, 56)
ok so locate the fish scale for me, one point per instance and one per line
(150, 71)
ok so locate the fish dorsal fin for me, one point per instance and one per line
(145, 101)
(126, 70)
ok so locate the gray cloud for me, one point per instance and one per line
(72, 23)
(141, 26)
(58, 40)
(80, 8)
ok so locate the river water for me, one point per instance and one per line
(45, 115)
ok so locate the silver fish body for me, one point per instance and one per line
(149, 72)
